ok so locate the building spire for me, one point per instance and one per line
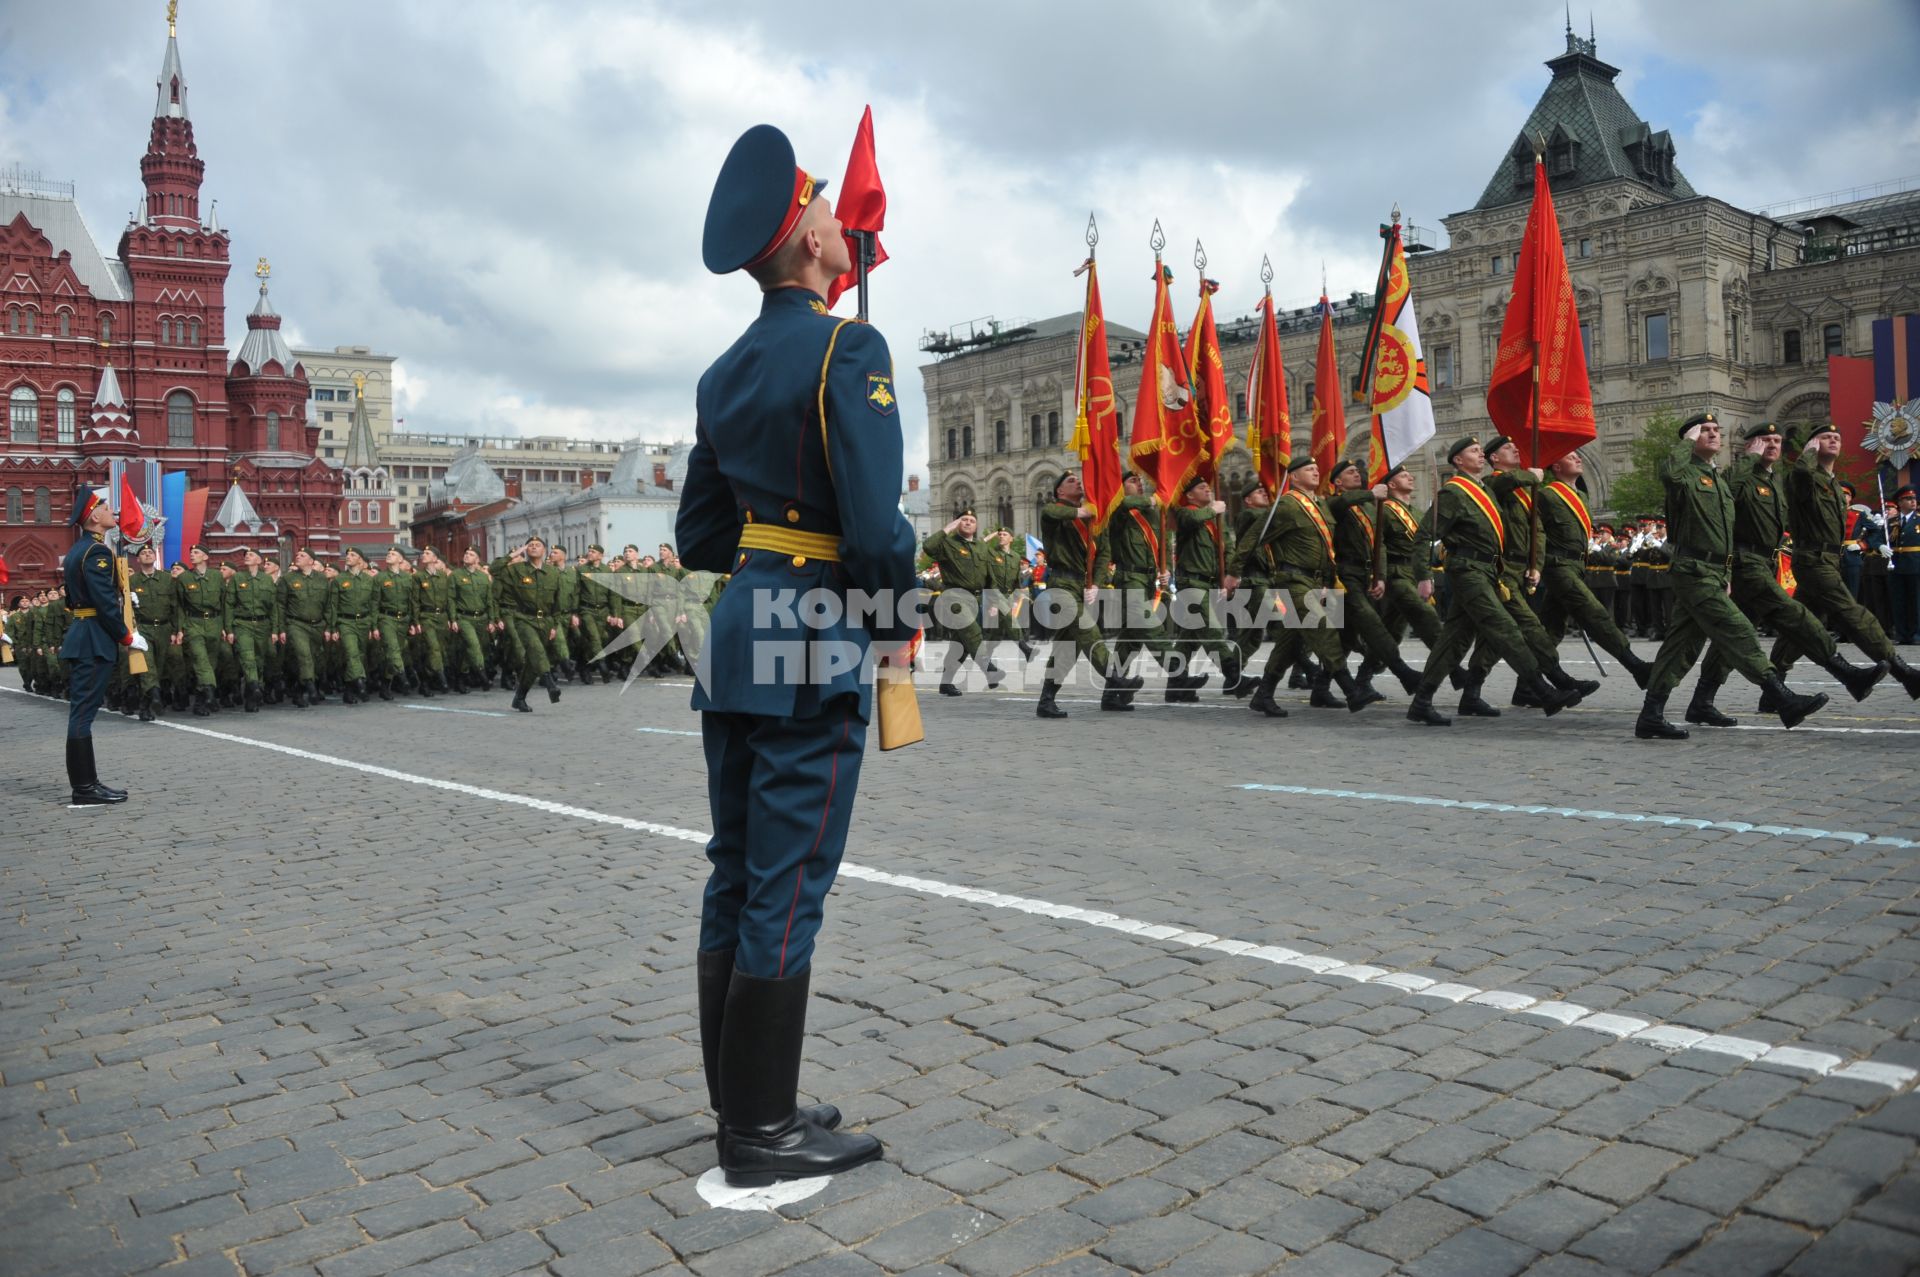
(171, 99)
(362, 454)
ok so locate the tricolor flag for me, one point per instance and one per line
(1096, 418)
(1329, 413)
(1394, 380)
(1213, 413)
(1269, 424)
(1166, 432)
(1538, 394)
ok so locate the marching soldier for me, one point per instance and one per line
(1700, 507)
(92, 643)
(1816, 511)
(524, 594)
(307, 621)
(1759, 532)
(1201, 552)
(1252, 565)
(471, 619)
(566, 612)
(432, 618)
(154, 615)
(1566, 527)
(1002, 620)
(1467, 519)
(354, 615)
(815, 511)
(392, 620)
(205, 625)
(595, 609)
(1299, 536)
(965, 574)
(1353, 535)
(1134, 536)
(253, 609)
(1063, 609)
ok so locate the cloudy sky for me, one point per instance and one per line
(508, 195)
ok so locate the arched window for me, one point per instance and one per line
(353, 512)
(273, 431)
(63, 412)
(193, 332)
(1830, 339)
(166, 332)
(953, 445)
(1790, 346)
(962, 502)
(1053, 430)
(180, 419)
(1000, 436)
(966, 441)
(13, 505)
(33, 317)
(13, 320)
(42, 505)
(1034, 437)
(23, 413)
(66, 323)
(106, 326)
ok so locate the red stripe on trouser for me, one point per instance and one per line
(800, 873)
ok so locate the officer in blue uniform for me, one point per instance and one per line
(793, 486)
(93, 642)
(1903, 575)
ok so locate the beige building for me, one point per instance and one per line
(1686, 302)
(330, 375)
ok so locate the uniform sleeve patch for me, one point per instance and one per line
(880, 393)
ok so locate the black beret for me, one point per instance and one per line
(1697, 419)
(1304, 459)
(1815, 431)
(1460, 446)
(1255, 484)
(1494, 445)
(756, 202)
(1390, 475)
(1340, 468)
(1759, 430)
(1064, 476)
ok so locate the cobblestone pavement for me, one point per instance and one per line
(280, 1013)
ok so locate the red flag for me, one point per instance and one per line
(1096, 419)
(4, 575)
(133, 519)
(862, 204)
(1329, 411)
(1166, 431)
(1540, 351)
(193, 514)
(1269, 424)
(1213, 412)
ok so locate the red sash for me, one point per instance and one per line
(1312, 507)
(1575, 504)
(1153, 537)
(1366, 524)
(1407, 521)
(1478, 495)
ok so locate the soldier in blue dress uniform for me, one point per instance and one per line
(793, 486)
(93, 642)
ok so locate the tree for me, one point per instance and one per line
(1639, 491)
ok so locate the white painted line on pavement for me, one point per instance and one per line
(1864, 731)
(1666, 1037)
(1571, 813)
(664, 731)
(448, 709)
(717, 1193)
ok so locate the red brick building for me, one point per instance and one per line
(104, 358)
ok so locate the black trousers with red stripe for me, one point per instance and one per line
(781, 792)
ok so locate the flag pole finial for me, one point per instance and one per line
(1396, 212)
(1266, 273)
(1157, 240)
(1093, 234)
(1199, 258)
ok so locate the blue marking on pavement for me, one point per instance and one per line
(664, 731)
(448, 709)
(1571, 813)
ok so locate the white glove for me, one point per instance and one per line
(1886, 552)
(1877, 520)
(135, 596)
(139, 643)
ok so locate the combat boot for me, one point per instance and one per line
(1363, 677)
(440, 680)
(1859, 680)
(1263, 702)
(1116, 700)
(1552, 699)
(995, 675)
(1230, 674)
(1474, 705)
(251, 697)
(1422, 711)
(383, 684)
(1640, 669)
(1046, 708)
(1301, 678)
(948, 689)
(1322, 698)
(299, 695)
(1652, 723)
(202, 702)
(1703, 711)
(520, 698)
(768, 1138)
(1358, 698)
(150, 706)
(553, 687)
(1793, 708)
(1581, 687)
(1409, 677)
(1906, 675)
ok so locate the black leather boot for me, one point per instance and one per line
(948, 689)
(1641, 670)
(1046, 708)
(1551, 699)
(382, 684)
(1474, 705)
(1584, 687)
(767, 1138)
(251, 697)
(520, 698)
(715, 974)
(150, 706)
(202, 702)
(1231, 675)
(1409, 677)
(1302, 676)
(1703, 711)
(1859, 680)
(1116, 700)
(1906, 675)
(553, 687)
(1263, 702)
(1358, 698)
(1322, 698)
(83, 780)
(1652, 723)
(1422, 711)
(1363, 677)
(1119, 681)
(1793, 707)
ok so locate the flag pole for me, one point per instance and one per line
(1080, 373)
(1533, 506)
(863, 262)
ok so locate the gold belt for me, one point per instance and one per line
(801, 545)
(84, 611)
